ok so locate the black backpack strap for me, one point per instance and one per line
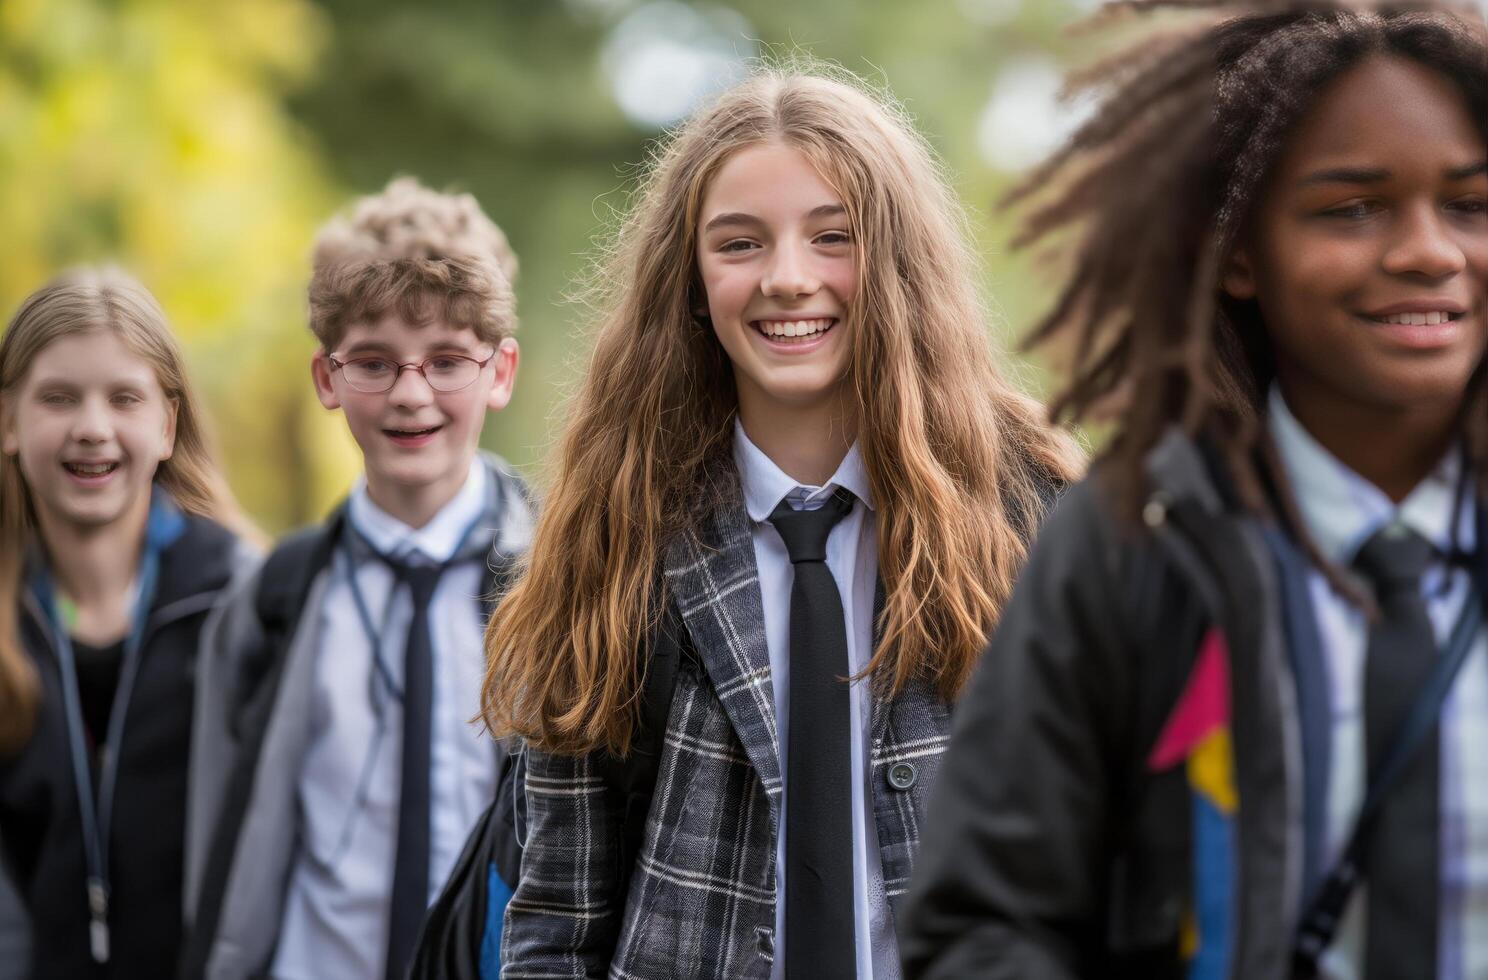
(635, 775)
(287, 574)
(449, 943)
(1327, 907)
(283, 584)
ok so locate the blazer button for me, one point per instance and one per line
(902, 776)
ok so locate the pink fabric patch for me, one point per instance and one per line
(1203, 707)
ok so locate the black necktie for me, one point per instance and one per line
(818, 784)
(1402, 866)
(411, 866)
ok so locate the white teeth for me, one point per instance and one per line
(91, 469)
(1417, 319)
(793, 328)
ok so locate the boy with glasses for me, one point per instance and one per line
(338, 688)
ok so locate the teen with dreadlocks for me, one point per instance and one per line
(1278, 292)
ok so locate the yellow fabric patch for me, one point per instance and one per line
(1210, 770)
(1188, 936)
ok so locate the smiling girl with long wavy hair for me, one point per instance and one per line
(788, 327)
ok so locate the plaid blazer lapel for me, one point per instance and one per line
(714, 581)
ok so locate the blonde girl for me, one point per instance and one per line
(789, 325)
(116, 535)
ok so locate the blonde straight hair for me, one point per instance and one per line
(81, 301)
(959, 461)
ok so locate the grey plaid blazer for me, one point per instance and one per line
(701, 898)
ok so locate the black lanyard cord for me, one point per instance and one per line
(97, 814)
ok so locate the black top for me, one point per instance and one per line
(98, 678)
(40, 821)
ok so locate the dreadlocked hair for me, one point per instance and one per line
(1189, 127)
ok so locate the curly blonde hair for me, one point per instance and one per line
(417, 252)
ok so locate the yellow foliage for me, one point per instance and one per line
(153, 133)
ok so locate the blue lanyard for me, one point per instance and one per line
(163, 527)
(381, 670)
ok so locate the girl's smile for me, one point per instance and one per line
(91, 473)
(798, 335)
(1423, 326)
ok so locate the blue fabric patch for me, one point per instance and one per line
(1213, 840)
(166, 524)
(498, 893)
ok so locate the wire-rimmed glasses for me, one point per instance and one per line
(444, 372)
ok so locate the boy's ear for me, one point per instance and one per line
(1239, 275)
(320, 373)
(505, 364)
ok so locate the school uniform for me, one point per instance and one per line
(142, 720)
(704, 897)
(307, 736)
(1162, 755)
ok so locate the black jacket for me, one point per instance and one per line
(40, 823)
(1052, 850)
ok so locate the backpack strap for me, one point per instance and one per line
(1326, 910)
(283, 585)
(289, 570)
(635, 775)
(463, 926)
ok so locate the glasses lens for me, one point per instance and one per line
(450, 372)
(370, 373)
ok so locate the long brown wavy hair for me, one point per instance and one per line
(959, 461)
(82, 301)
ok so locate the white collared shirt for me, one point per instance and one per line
(335, 924)
(852, 557)
(1342, 510)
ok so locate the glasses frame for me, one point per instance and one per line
(339, 365)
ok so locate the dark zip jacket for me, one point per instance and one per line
(40, 823)
(1054, 850)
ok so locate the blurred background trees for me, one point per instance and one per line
(201, 144)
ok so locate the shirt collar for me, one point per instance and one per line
(436, 540)
(1342, 509)
(766, 485)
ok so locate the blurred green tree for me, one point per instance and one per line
(516, 102)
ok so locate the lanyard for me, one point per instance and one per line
(164, 526)
(380, 683)
(348, 561)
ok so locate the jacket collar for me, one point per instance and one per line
(714, 582)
